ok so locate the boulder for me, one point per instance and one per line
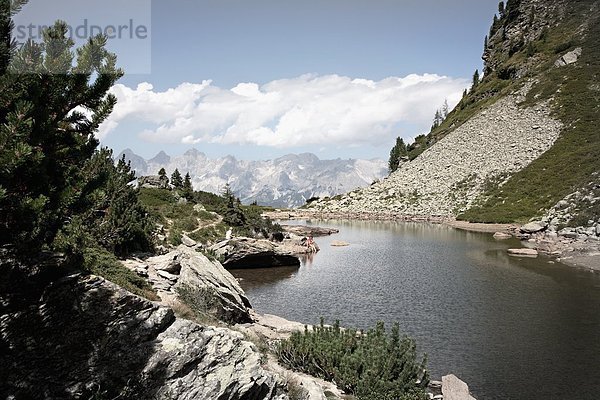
(524, 252)
(533, 227)
(189, 242)
(339, 243)
(84, 337)
(254, 253)
(455, 389)
(569, 58)
(205, 285)
(304, 230)
(153, 181)
(502, 235)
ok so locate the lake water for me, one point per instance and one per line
(511, 328)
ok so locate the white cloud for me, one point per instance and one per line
(307, 110)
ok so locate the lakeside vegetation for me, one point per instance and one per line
(372, 365)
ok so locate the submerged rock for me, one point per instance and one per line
(502, 235)
(524, 252)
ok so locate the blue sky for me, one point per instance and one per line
(262, 78)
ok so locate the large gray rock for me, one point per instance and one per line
(153, 181)
(455, 389)
(205, 285)
(533, 227)
(502, 236)
(84, 337)
(523, 252)
(569, 58)
(254, 253)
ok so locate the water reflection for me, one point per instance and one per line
(513, 328)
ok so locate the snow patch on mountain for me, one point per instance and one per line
(286, 181)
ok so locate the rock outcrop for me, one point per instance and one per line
(455, 389)
(255, 253)
(153, 181)
(305, 230)
(84, 337)
(449, 176)
(202, 284)
(569, 58)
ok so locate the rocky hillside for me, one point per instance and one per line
(287, 181)
(522, 139)
(83, 337)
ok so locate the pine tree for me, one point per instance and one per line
(398, 152)
(188, 189)
(501, 9)
(475, 79)
(109, 213)
(176, 179)
(445, 110)
(233, 215)
(45, 140)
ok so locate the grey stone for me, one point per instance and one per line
(244, 252)
(206, 286)
(502, 235)
(569, 58)
(455, 389)
(84, 337)
(523, 252)
(533, 227)
(153, 181)
(168, 276)
(189, 242)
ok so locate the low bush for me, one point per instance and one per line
(371, 365)
(100, 262)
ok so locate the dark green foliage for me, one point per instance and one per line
(45, 141)
(232, 212)
(475, 81)
(102, 263)
(176, 179)
(109, 213)
(398, 152)
(371, 365)
(210, 201)
(188, 189)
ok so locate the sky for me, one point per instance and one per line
(258, 79)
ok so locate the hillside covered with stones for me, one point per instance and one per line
(522, 139)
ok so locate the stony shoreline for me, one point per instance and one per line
(577, 247)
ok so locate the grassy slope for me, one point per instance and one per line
(569, 164)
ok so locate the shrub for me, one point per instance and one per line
(371, 365)
(100, 262)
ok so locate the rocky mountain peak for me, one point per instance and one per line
(160, 158)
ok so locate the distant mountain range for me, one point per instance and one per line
(287, 181)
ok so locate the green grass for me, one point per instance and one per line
(102, 263)
(575, 156)
(210, 234)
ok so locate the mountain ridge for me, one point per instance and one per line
(286, 181)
